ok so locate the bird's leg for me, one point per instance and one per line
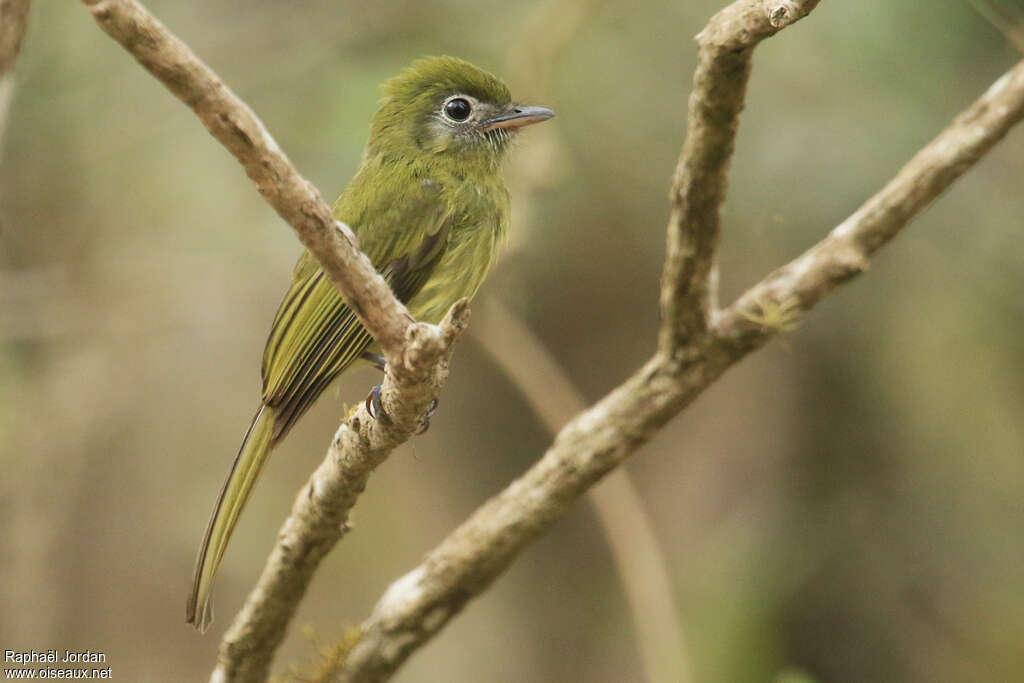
(374, 359)
(373, 404)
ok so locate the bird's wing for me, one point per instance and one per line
(315, 335)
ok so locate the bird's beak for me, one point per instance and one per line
(519, 116)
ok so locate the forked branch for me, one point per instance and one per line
(696, 345)
(418, 605)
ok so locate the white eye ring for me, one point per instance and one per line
(458, 108)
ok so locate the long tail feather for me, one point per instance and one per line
(239, 485)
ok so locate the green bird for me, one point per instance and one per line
(430, 209)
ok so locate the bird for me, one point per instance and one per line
(430, 209)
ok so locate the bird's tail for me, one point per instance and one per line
(233, 496)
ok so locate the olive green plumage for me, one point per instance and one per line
(430, 209)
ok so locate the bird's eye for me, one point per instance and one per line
(458, 109)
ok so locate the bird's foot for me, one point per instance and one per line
(376, 410)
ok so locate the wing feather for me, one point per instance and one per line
(315, 335)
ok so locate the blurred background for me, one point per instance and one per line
(845, 504)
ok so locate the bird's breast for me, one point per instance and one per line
(479, 226)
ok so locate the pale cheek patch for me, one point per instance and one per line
(439, 136)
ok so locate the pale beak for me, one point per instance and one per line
(518, 117)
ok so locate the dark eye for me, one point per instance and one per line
(458, 109)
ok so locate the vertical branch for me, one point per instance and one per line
(725, 46)
(635, 551)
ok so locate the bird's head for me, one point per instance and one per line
(446, 107)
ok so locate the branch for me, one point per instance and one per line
(13, 22)
(236, 127)
(318, 520)
(419, 604)
(695, 347)
(725, 48)
(636, 554)
(417, 354)
(844, 253)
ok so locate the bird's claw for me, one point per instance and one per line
(425, 420)
(374, 406)
(376, 410)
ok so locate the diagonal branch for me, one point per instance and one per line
(725, 48)
(419, 604)
(417, 354)
(844, 253)
(236, 127)
(318, 520)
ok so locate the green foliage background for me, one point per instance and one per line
(846, 502)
